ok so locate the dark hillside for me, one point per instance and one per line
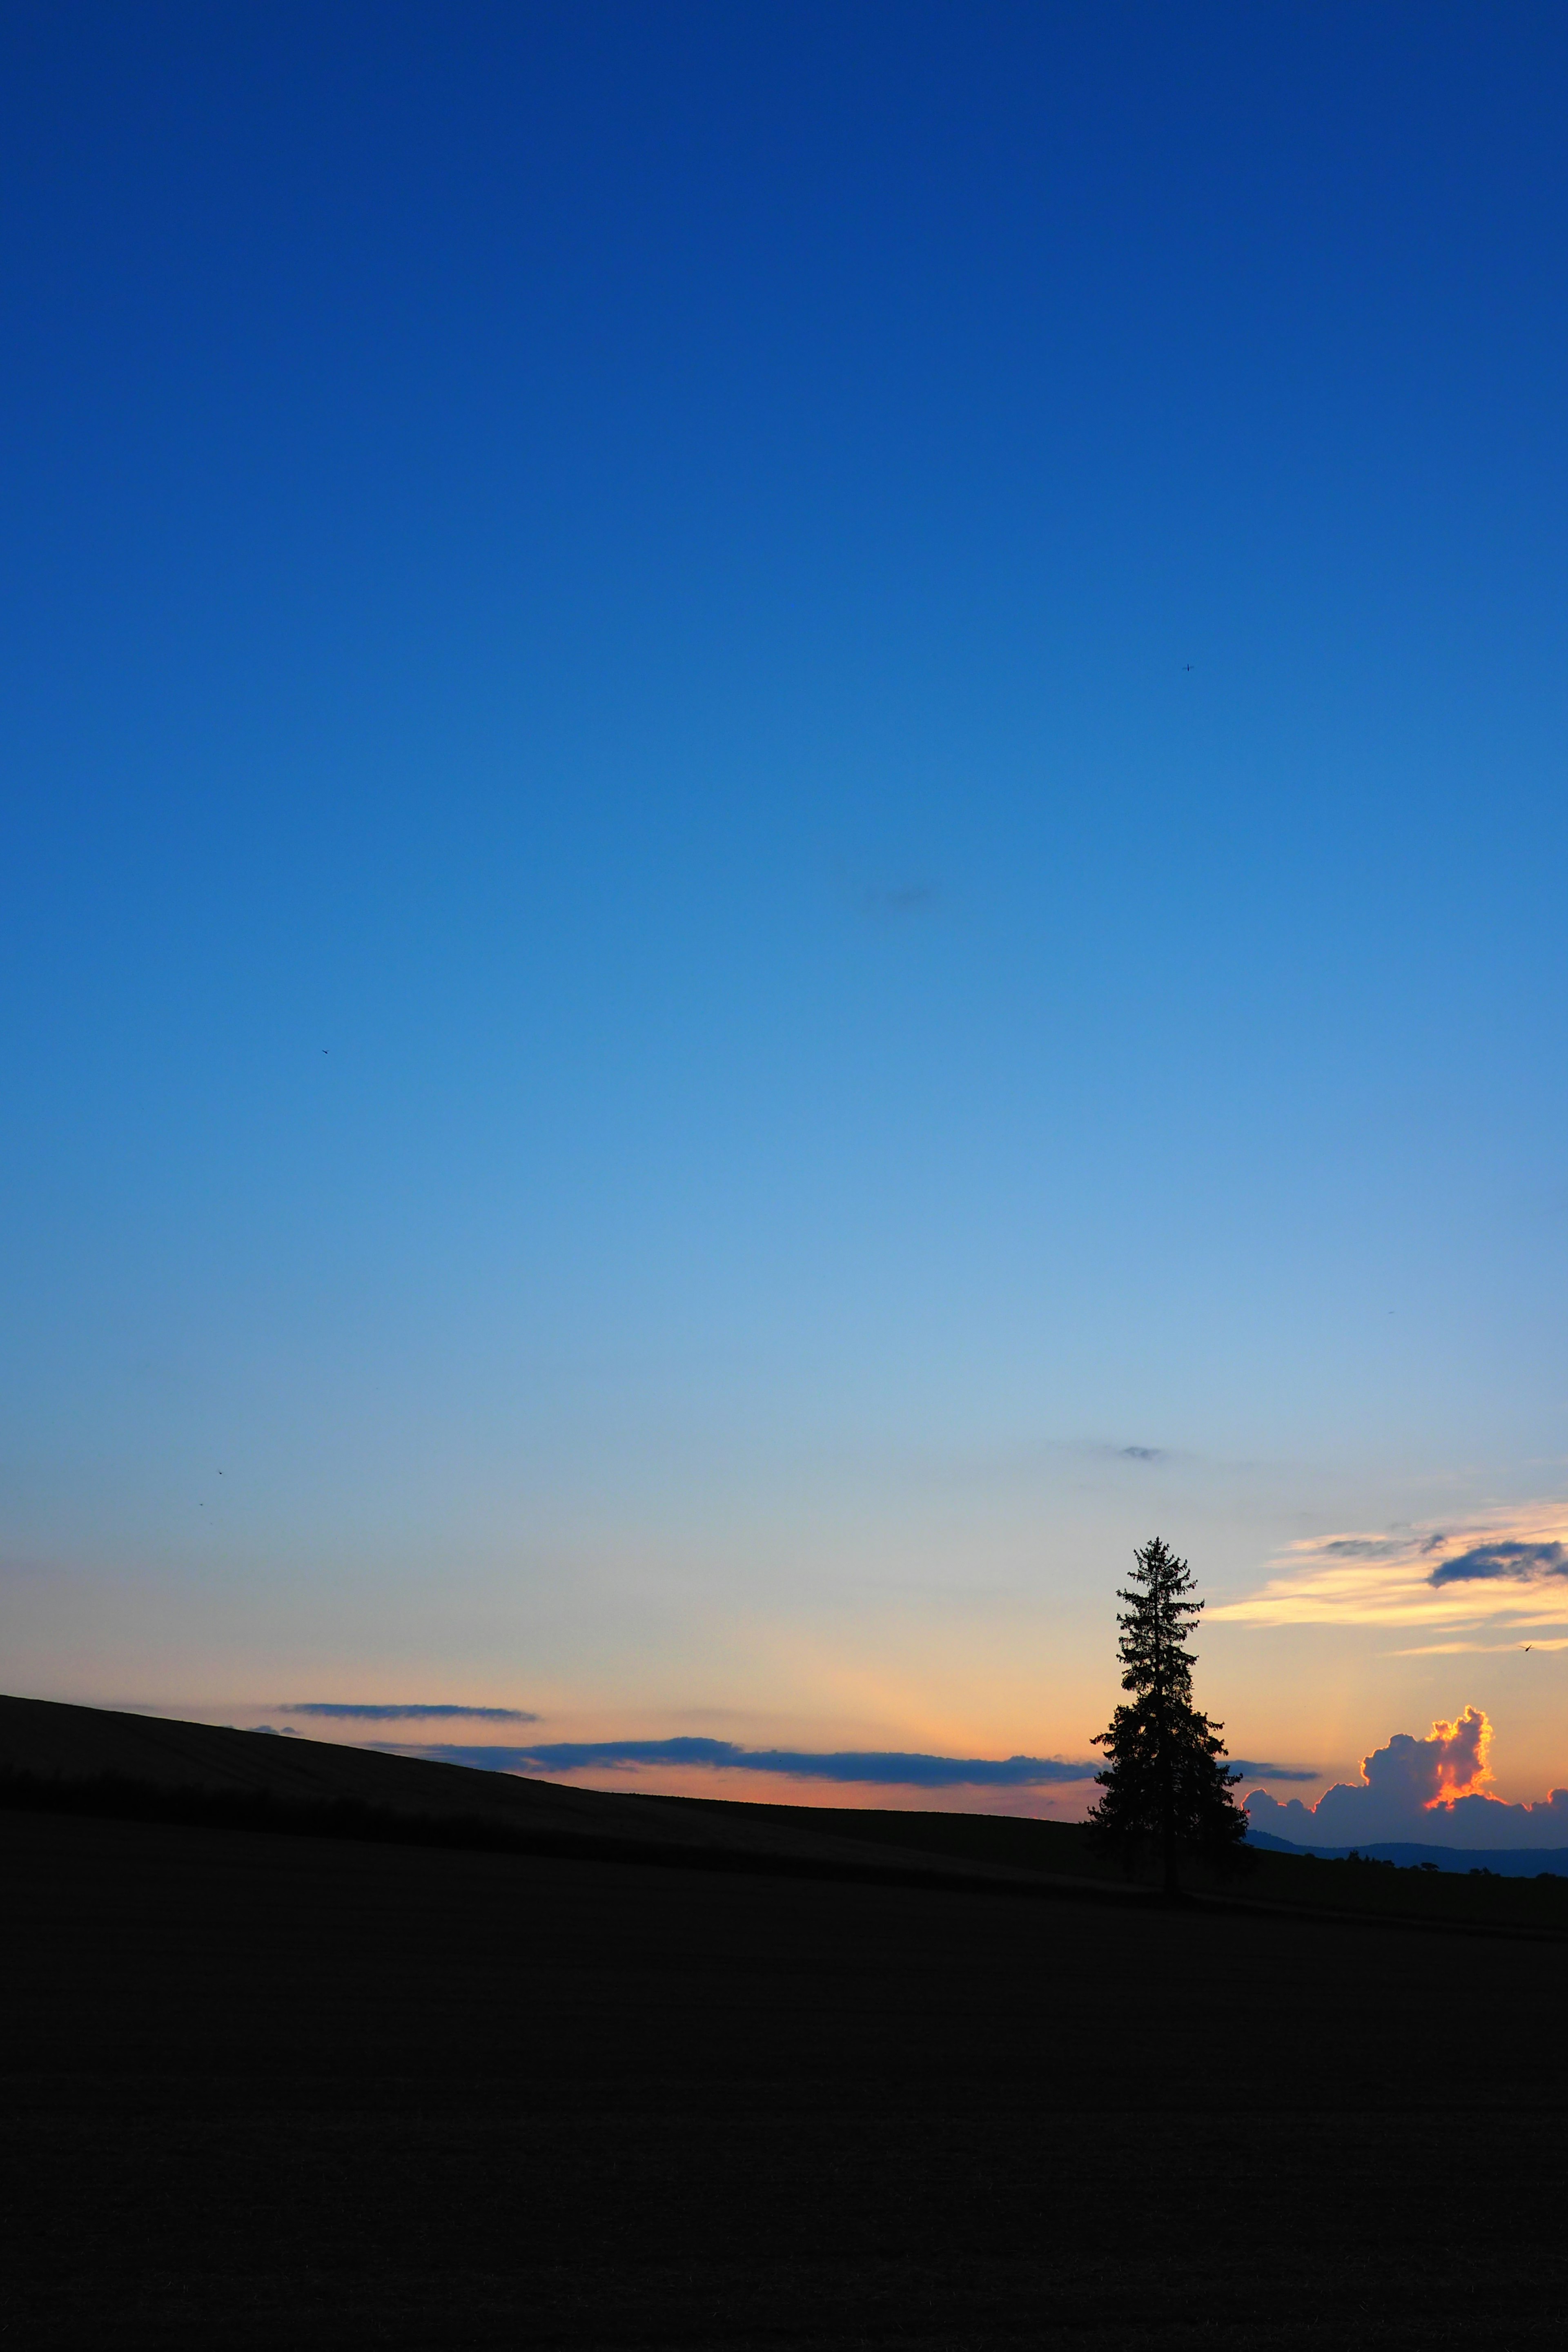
(263, 2089)
(1063, 1850)
(95, 1760)
(43, 1739)
(1002, 1839)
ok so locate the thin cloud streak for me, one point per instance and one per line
(1476, 1649)
(871, 1766)
(905, 898)
(335, 1710)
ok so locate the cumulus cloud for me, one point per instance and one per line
(1512, 1568)
(1429, 1790)
(340, 1710)
(886, 1768)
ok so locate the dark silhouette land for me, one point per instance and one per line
(325, 2068)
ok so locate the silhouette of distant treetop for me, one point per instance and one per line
(1166, 1785)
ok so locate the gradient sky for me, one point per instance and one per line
(785, 845)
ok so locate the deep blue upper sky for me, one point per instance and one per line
(755, 753)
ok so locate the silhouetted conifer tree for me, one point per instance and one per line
(1166, 1783)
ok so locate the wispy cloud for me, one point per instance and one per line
(1499, 1568)
(885, 1768)
(1432, 1789)
(342, 1710)
(1477, 1649)
(902, 898)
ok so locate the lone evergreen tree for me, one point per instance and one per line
(1166, 1783)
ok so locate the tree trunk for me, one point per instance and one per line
(1167, 1795)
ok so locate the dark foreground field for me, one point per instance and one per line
(264, 2089)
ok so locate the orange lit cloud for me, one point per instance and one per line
(1424, 1789)
(1457, 1755)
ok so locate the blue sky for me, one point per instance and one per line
(770, 773)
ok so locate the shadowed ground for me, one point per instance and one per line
(98, 1760)
(263, 2088)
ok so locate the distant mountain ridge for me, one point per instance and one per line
(1507, 1862)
